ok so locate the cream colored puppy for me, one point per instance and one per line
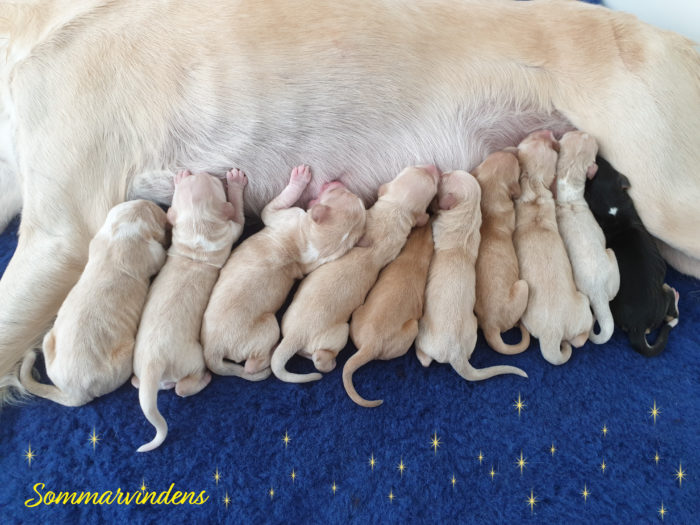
(557, 314)
(239, 323)
(316, 321)
(168, 352)
(447, 330)
(89, 351)
(595, 269)
(386, 325)
(501, 297)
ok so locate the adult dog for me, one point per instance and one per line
(97, 92)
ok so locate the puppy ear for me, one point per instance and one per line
(382, 190)
(515, 190)
(320, 213)
(229, 210)
(447, 201)
(624, 182)
(172, 216)
(363, 242)
(592, 170)
(422, 219)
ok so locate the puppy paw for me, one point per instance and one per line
(181, 175)
(236, 177)
(300, 175)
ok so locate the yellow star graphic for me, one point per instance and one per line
(453, 481)
(604, 430)
(552, 450)
(480, 457)
(29, 454)
(372, 461)
(391, 496)
(585, 493)
(492, 473)
(532, 501)
(271, 492)
(286, 439)
(519, 404)
(657, 457)
(217, 476)
(603, 466)
(226, 500)
(654, 411)
(680, 474)
(401, 467)
(143, 486)
(94, 438)
(435, 442)
(293, 476)
(334, 487)
(662, 511)
(521, 462)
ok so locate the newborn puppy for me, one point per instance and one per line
(595, 268)
(239, 323)
(89, 351)
(167, 350)
(644, 302)
(447, 330)
(557, 313)
(316, 322)
(385, 326)
(501, 297)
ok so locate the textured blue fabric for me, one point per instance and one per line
(238, 428)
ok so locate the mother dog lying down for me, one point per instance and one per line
(99, 93)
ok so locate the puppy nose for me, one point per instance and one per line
(545, 134)
(330, 185)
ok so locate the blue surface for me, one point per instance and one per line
(238, 428)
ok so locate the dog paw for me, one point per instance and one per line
(300, 175)
(236, 177)
(181, 175)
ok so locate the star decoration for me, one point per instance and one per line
(519, 404)
(226, 500)
(585, 493)
(654, 411)
(435, 442)
(521, 462)
(480, 457)
(603, 466)
(552, 450)
(293, 475)
(372, 461)
(334, 487)
(662, 511)
(680, 474)
(391, 496)
(271, 493)
(492, 473)
(453, 481)
(604, 430)
(657, 457)
(286, 439)
(217, 476)
(532, 501)
(143, 486)
(94, 438)
(30, 454)
(401, 467)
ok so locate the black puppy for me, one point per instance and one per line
(644, 300)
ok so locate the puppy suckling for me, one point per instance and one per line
(557, 313)
(447, 330)
(386, 325)
(501, 297)
(595, 268)
(89, 351)
(239, 323)
(316, 322)
(168, 352)
(644, 301)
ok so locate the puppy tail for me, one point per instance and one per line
(601, 310)
(148, 398)
(639, 341)
(359, 358)
(50, 392)
(555, 351)
(283, 353)
(465, 369)
(229, 368)
(496, 342)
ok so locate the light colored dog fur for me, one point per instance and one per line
(447, 330)
(501, 297)
(323, 88)
(557, 314)
(595, 269)
(316, 322)
(239, 323)
(386, 324)
(90, 349)
(168, 352)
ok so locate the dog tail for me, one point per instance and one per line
(465, 369)
(640, 344)
(358, 359)
(229, 368)
(496, 342)
(555, 351)
(601, 310)
(283, 353)
(50, 392)
(148, 398)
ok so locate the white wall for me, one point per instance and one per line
(682, 16)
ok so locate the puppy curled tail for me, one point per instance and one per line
(358, 359)
(639, 341)
(496, 342)
(50, 392)
(601, 310)
(554, 350)
(283, 353)
(148, 399)
(465, 369)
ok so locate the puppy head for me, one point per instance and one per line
(412, 189)
(201, 196)
(458, 188)
(537, 155)
(498, 175)
(607, 197)
(576, 163)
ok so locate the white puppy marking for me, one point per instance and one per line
(612, 211)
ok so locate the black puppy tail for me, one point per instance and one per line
(639, 341)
